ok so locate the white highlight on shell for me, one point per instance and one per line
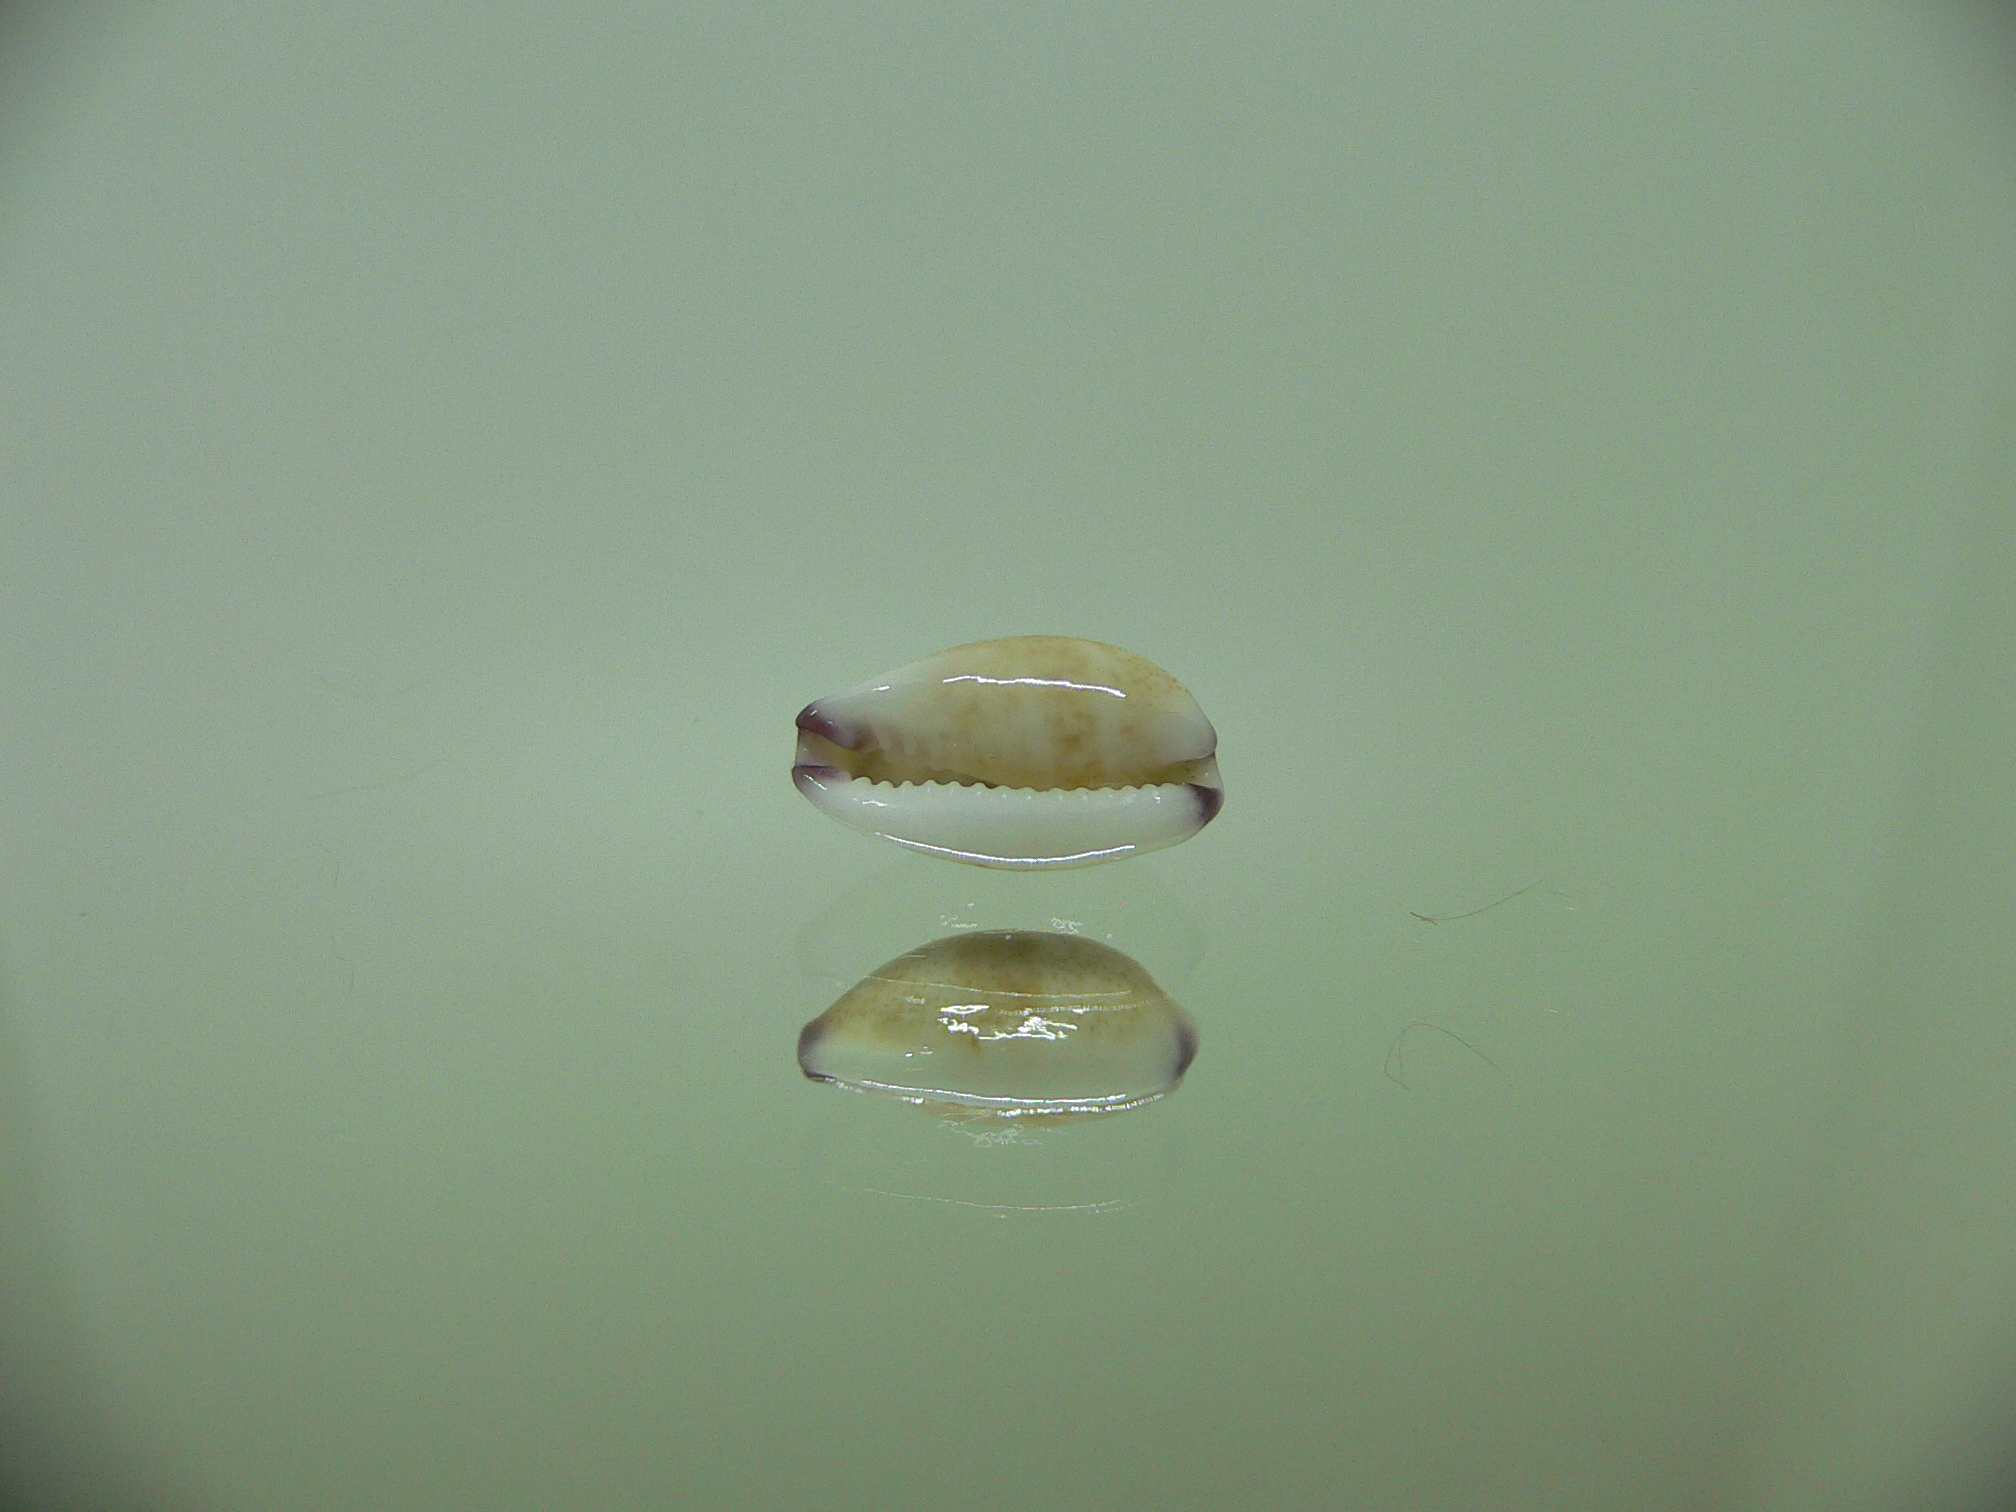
(1036, 751)
(1035, 682)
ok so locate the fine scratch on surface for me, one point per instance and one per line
(1451, 918)
(1396, 1057)
(365, 787)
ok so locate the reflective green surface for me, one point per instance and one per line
(1559, 449)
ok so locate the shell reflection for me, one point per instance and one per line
(1034, 751)
(1006, 1024)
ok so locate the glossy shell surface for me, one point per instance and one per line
(1035, 751)
(1005, 1024)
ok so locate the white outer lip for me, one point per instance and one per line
(1020, 828)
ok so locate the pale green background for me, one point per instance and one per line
(1561, 446)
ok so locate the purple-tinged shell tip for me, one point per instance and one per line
(1186, 1046)
(813, 722)
(808, 1041)
(809, 776)
(1209, 801)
